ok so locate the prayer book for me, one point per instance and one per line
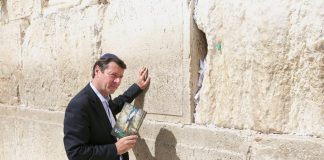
(128, 121)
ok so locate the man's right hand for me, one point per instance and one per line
(125, 144)
(143, 78)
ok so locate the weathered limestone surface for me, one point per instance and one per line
(58, 53)
(170, 141)
(268, 77)
(174, 141)
(30, 134)
(269, 73)
(157, 37)
(286, 147)
(17, 9)
(10, 62)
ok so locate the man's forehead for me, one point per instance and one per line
(114, 65)
(114, 68)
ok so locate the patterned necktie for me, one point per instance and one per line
(110, 115)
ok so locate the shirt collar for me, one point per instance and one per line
(101, 97)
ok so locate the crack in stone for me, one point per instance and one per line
(200, 49)
(25, 23)
(3, 11)
(103, 2)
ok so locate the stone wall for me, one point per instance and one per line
(262, 96)
(269, 75)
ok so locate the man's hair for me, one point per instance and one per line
(102, 63)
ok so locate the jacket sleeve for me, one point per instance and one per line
(128, 96)
(77, 135)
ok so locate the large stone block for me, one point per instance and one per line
(10, 62)
(30, 134)
(285, 147)
(170, 141)
(157, 37)
(268, 75)
(58, 53)
(8, 134)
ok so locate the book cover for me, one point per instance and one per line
(128, 121)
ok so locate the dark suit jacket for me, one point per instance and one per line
(87, 128)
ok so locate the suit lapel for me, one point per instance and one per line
(99, 108)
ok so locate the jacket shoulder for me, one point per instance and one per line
(82, 99)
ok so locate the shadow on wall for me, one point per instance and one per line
(139, 100)
(165, 147)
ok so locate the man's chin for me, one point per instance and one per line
(112, 91)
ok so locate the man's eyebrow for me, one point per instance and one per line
(116, 74)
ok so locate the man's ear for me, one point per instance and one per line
(97, 70)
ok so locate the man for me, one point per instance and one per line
(90, 115)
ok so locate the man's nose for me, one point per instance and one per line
(117, 80)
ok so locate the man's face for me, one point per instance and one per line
(108, 81)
